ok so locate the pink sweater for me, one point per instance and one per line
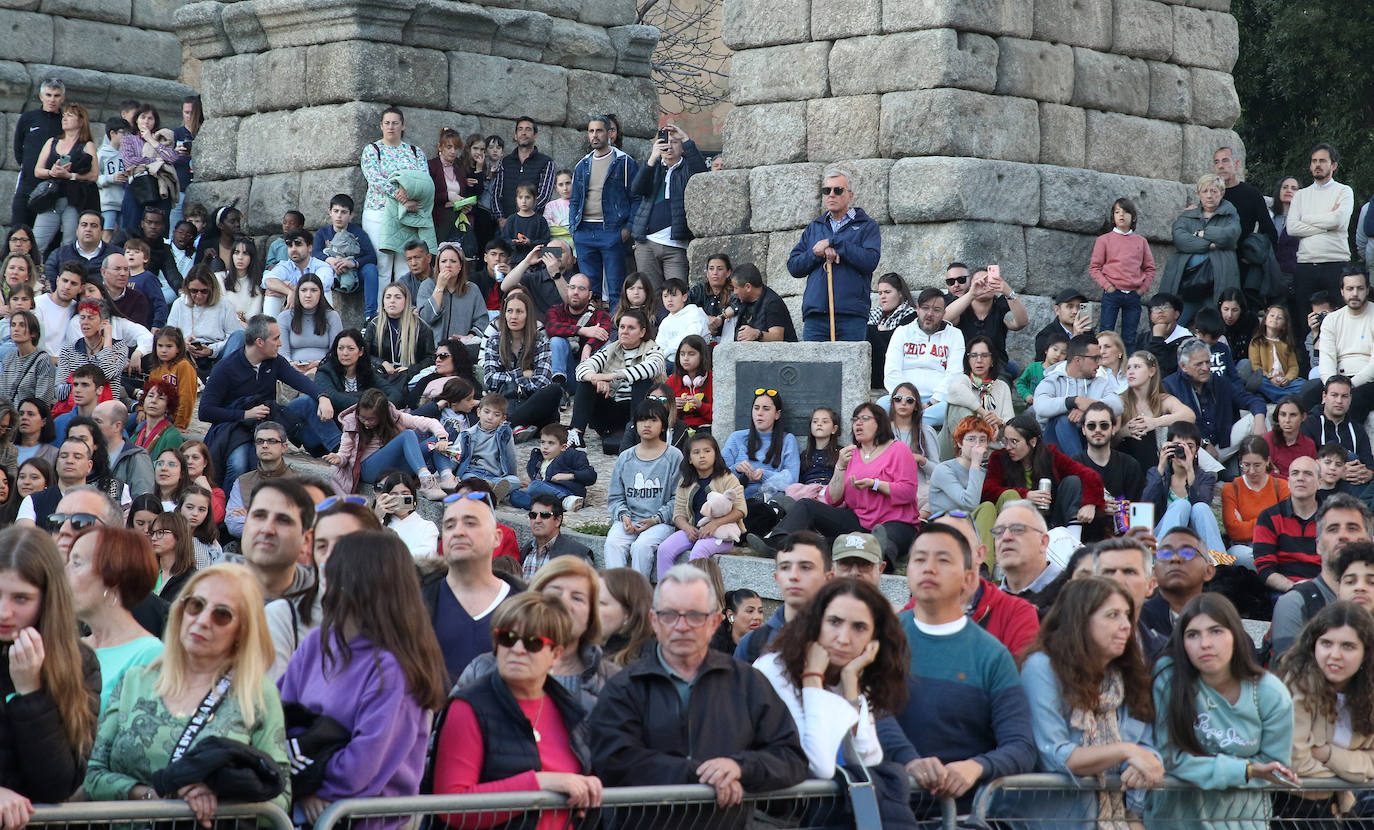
(895, 467)
(1122, 262)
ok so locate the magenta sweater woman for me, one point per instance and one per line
(873, 489)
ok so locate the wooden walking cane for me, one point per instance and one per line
(830, 292)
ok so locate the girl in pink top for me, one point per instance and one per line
(873, 489)
(1122, 264)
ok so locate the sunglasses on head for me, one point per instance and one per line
(220, 615)
(475, 495)
(333, 500)
(80, 521)
(828, 191)
(953, 281)
(772, 393)
(533, 642)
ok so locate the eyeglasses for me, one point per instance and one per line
(772, 393)
(220, 615)
(860, 419)
(533, 642)
(542, 514)
(198, 291)
(475, 495)
(162, 465)
(333, 500)
(1185, 554)
(903, 399)
(953, 281)
(669, 617)
(1099, 425)
(1015, 529)
(828, 191)
(80, 521)
(267, 442)
(159, 534)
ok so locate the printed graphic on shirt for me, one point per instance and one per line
(645, 488)
(935, 350)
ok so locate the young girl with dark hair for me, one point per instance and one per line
(377, 437)
(194, 506)
(818, 459)
(1273, 357)
(309, 327)
(344, 376)
(764, 456)
(691, 383)
(703, 473)
(1025, 460)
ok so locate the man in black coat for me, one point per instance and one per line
(33, 129)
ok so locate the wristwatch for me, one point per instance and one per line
(1011, 295)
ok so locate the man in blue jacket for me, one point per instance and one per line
(847, 239)
(600, 209)
(1218, 402)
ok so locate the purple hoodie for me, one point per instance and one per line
(368, 697)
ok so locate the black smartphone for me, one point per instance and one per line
(663, 135)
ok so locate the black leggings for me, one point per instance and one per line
(539, 409)
(831, 521)
(607, 416)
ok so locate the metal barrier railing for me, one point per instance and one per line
(1012, 801)
(173, 815)
(810, 804)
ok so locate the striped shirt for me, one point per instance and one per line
(1286, 544)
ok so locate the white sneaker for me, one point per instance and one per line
(572, 504)
(575, 439)
(430, 489)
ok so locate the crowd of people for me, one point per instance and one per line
(1080, 536)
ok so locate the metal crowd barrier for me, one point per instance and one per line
(810, 804)
(1039, 800)
(169, 815)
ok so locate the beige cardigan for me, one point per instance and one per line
(682, 500)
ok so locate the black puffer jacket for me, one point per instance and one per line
(36, 760)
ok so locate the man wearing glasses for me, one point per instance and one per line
(742, 736)
(269, 443)
(1342, 519)
(1063, 397)
(74, 464)
(1182, 567)
(836, 256)
(1022, 541)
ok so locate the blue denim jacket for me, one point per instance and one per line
(505, 439)
(617, 201)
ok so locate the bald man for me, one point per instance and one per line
(1022, 541)
(129, 463)
(1285, 536)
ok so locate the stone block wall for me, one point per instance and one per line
(294, 89)
(978, 130)
(105, 51)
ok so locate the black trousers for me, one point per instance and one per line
(610, 418)
(831, 521)
(539, 409)
(1308, 278)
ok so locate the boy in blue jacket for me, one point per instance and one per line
(557, 470)
(349, 270)
(847, 239)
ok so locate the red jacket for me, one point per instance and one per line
(1012, 620)
(1064, 467)
(701, 415)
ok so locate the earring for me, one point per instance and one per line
(731, 619)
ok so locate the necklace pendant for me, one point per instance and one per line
(537, 736)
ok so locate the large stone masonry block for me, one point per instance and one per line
(993, 17)
(835, 19)
(1063, 135)
(579, 46)
(9, 181)
(1056, 260)
(1199, 143)
(913, 60)
(317, 188)
(271, 196)
(839, 128)
(741, 248)
(942, 189)
(26, 37)
(226, 192)
(635, 101)
(362, 71)
(1143, 29)
(1207, 39)
(14, 87)
(1114, 83)
(486, 85)
(86, 86)
(765, 134)
(869, 177)
(956, 122)
(718, 203)
(565, 145)
(1133, 146)
(1086, 23)
(920, 252)
(604, 12)
(213, 149)
(306, 139)
(634, 49)
(567, 9)
(784, 196)
(227, 86)
(116, 48)
(156, 14)
(119, 12)
(164, 94)
(451, 26)
(279, 77)
(779, 73)
(776, 276)
(747, 24)
(1077, 200)
(520, 34)
(244, 29)
(422, 126)
(201, 29)
(1215, 102)
(1171, 92)
(1021, 344)
(311, 22)
(1035, 69)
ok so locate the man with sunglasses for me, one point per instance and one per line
(1341, 519)
(1182, 567)
(1121, 474)
(990, 308)
(741, 735)
(280, 282)
(546, 522)
(956, 281)
(74, 464)
(836, 256)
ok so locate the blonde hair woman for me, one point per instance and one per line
(398, 339)
(1146, 410)
(217, 646)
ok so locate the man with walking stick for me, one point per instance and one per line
(836, 254)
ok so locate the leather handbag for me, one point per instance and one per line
(43, 198)
(144, 189)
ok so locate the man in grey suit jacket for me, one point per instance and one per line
(546, 525)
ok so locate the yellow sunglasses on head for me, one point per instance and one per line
(772, 393)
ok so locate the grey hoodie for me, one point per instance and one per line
(1052, 392)
(640, 489)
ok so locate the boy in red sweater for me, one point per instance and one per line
(1123, 266)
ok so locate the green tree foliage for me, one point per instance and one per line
(1306, 75)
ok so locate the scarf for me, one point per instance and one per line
(1100, 728)
(983, 388)
(149, 433)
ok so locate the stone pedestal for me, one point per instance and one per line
(294, 89)
(105, 51)
(806, 375)
(975, 130)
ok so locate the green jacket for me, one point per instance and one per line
(401, 225)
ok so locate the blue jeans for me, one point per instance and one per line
(368, 274)
(1273, 393)
(816, 328)
(233, 344)
(601, 253)
(521, 498)
(1183, 513)
(316, 433)
(240, 461)
(1128, 304)
(1060, 430)
(564, 360)
(403, 452)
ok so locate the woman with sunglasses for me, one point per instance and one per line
(374, 666)
(204, 317)
(518, 729)
(175, 551)
(216, 652)
(49, 681)
(450, 304)
(110, 570)
(451, 360)
(907, 414)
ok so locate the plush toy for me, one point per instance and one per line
(717, 505)
(693, 388)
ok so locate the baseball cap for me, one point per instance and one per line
(857, 546)
(1068, 295)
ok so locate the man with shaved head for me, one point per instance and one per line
(129, 463)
